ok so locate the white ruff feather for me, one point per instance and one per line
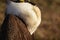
(30, 14)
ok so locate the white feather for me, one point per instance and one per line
(30, 14)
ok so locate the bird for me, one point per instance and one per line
(29, 13)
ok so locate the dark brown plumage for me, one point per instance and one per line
(14, 29)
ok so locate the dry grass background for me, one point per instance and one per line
(2, 11)
(49, 28)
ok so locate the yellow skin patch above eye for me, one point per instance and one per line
(21, 0)
(24, 0)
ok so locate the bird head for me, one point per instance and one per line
(17, 0)
(20, 0)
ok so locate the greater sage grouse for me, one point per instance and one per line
(14, 29)
(30, 14)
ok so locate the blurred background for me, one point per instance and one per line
(49, 28)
